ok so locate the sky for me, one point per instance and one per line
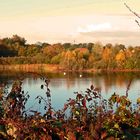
(74, 21)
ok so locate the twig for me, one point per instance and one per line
(128, 87)
(137, 22)
(133, 12)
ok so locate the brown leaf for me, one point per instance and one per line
(103, 135)
(71, 136)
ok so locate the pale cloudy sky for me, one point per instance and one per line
(62, 21)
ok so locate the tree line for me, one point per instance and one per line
(80, 56)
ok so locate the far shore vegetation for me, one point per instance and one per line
(15, 51)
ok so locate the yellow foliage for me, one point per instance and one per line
(11, 130)
(138, 100)
(120, 56)
(106, 54)
(116, 125)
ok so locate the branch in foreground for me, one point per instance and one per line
(131, 10)
(137, 23)
(133, 13)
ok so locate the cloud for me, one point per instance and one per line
(94, 27)
(112, 34)
(112, 31)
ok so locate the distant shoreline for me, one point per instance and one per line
(56, 68)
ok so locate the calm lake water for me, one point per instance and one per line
(63, 86)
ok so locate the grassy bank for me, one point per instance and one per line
(56, 68)
(31, 67)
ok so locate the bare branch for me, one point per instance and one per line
(133, 13)
(131, 10)
(137, 22)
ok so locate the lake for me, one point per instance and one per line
(63, 86)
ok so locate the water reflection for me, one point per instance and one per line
(105, 80)
(62, 86)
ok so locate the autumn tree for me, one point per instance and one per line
(120, 59)
(81, 57)
(68, 60)
(97, 51)
(51, 51)
(17, 39)
(107, 55)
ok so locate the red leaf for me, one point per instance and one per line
(84, 102)
(103, 135)
(71, 136)
(72, 102)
